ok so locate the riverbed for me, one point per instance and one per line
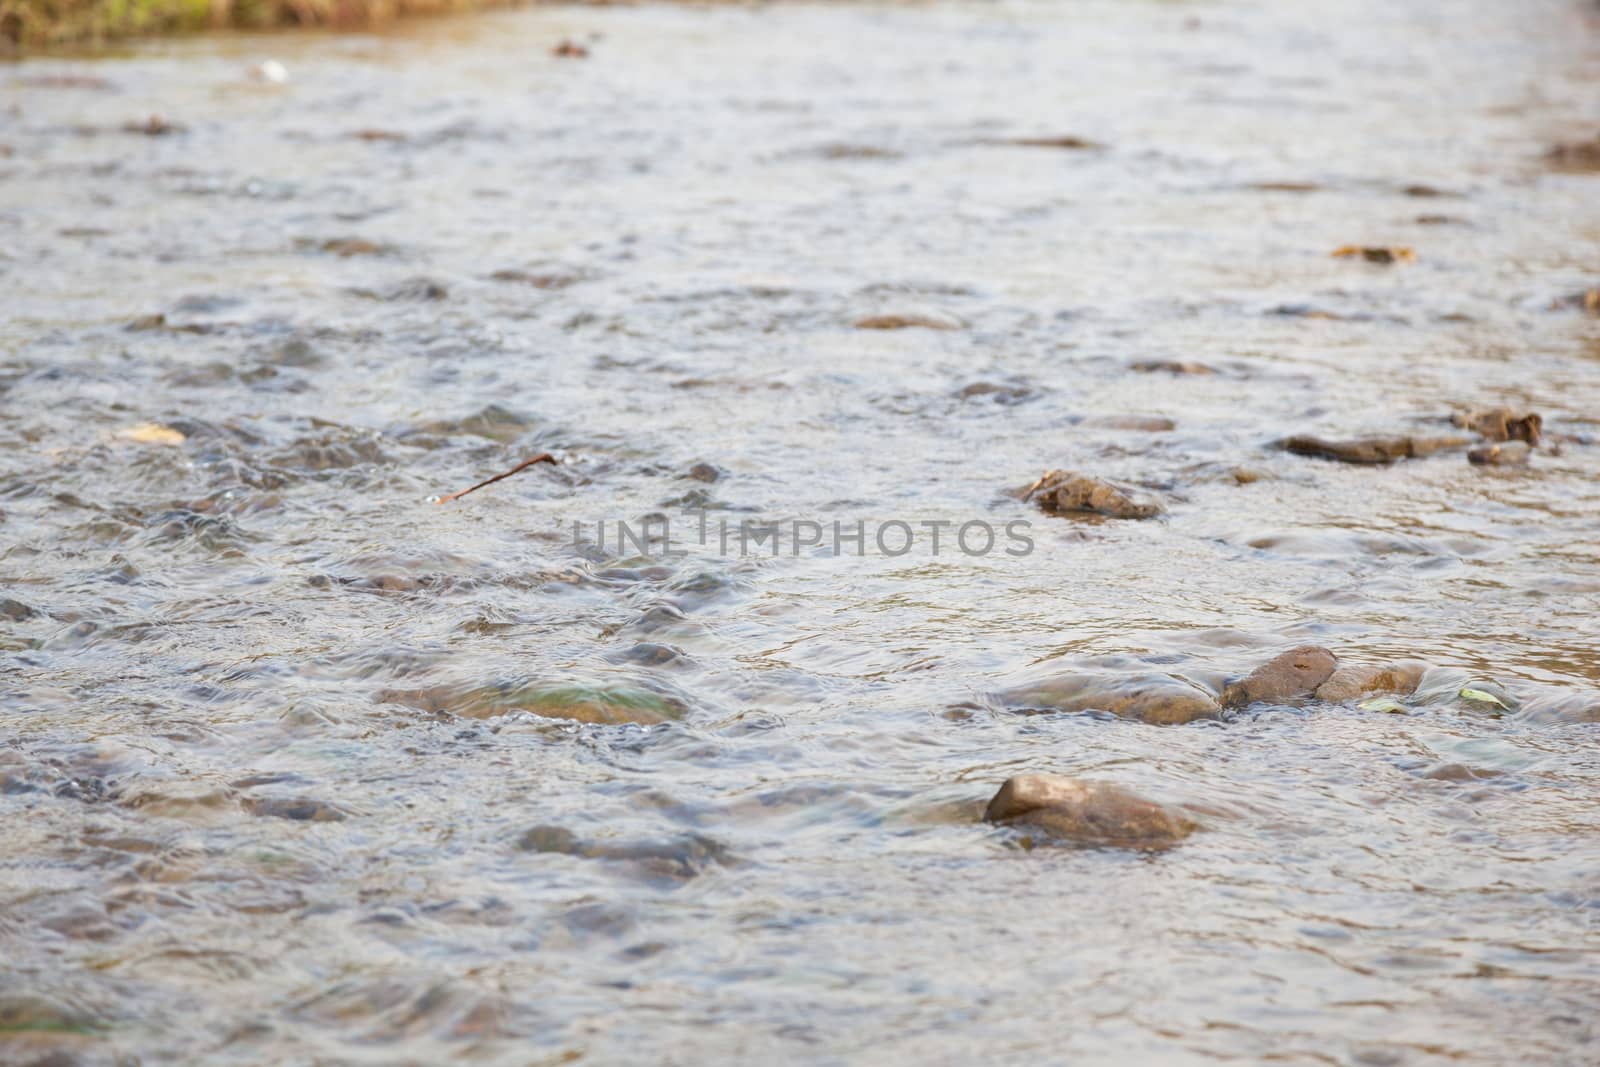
(300, 765)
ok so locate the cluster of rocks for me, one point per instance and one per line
(1498, 437)
(1503, 437)
(1169, 700)
(1054, 809)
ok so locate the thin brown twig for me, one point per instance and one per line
(542, 457)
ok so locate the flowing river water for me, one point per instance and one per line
(300, 766)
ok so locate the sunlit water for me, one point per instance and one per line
(288, 772)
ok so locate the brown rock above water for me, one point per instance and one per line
(1068, 492)
(1296, 673)
(1080, 812)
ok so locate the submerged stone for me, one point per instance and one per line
(600, 705)
(299, 809)
(1083, 812)
(1295, 673)
(1356, 680)
(1171, 366)
(667, 860)
(910, 318)
(26, 1013)
(1373, 451)
(1510, 454)
(1139, 423)
(1459, 772)
(1160, 700)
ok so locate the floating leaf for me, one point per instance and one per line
(1389, 704)
(150, 433)
(1483, 696)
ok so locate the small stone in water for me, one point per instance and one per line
(1510, 454)
(704, 472)
(1171, 366)
(1081, 812)
(1502, 424)
(925, 318)
(1139, 423)
(154, 126)
(1376, 254)
(1067, 141)
(1064, 492)
(346, 247)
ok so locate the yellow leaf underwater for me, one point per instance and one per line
(151, 433)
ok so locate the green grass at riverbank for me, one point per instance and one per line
(36, 24)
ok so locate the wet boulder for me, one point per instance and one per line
(1068, 492)
(1350, 681)
(1295, 673)
(1371, 451)
(1160, 700)
(1076, 811)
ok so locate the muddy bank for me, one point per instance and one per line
(38, 25)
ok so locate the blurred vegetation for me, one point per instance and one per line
(28, 24)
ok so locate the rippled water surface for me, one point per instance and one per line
(298, 766)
